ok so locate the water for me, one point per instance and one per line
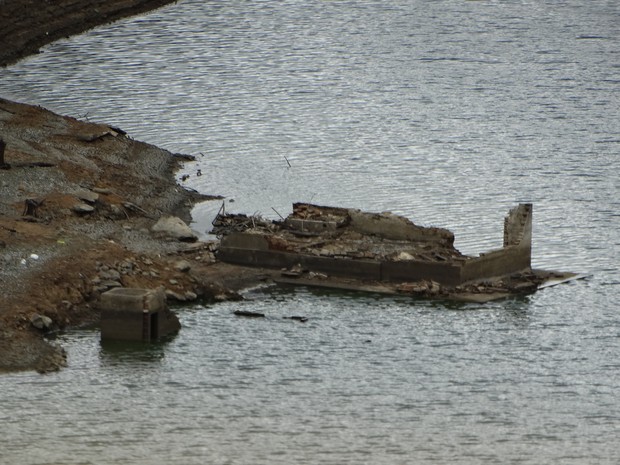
(447, 112)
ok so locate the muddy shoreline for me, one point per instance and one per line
(78, 203)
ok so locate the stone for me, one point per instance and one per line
(404, 256)
(87, 195)
(182, 265)
(102, 190)
(176, 228)
(82, 208)
(110, 284)
(110, 275)
(171, 295)
(41, 321)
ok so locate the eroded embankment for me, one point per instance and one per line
(27, 25)
(79, 205)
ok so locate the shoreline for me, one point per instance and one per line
(78, 202)
(26, 25)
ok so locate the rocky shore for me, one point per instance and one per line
(84, 208)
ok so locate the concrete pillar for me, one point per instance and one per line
(133, 314)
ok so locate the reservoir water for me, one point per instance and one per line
(448, 112)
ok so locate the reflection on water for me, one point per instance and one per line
(126, 352)
(446, 112)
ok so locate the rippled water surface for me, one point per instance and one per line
(449, 112)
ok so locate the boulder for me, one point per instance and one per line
(87, 195)
(183, 266)
(174, 227)
(41, 321)
(81, 208)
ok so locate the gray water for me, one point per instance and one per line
(448, 112)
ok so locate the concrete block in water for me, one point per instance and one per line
(133, 314)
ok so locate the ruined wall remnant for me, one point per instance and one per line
(397, 228)
(377, 247)
(518, 226)
(515, 256)
(132, 314)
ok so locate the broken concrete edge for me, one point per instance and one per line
(427, 290)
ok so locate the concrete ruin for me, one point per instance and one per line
(132, 314)
(383, 252)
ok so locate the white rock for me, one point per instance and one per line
(41, 321)
(83, 208)
(174, 227)
(87, 196)
(182, 265)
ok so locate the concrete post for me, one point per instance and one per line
(134, 314)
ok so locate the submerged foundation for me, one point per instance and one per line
(132, 314)
(382, 252)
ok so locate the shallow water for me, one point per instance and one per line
(447, 112)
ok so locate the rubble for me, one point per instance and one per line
(382, 252)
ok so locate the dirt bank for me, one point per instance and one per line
(78, 202)
(27, 25)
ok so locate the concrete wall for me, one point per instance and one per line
(132, 314)
(397, 228)
(408, 271)
(515, 256)
(501, 262)
(362, 269)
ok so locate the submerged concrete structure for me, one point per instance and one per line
(377, 247)
(133, 314)
(326, 246)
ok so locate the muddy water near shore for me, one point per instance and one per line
(448, 113)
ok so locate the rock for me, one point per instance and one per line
(103, 190)
(403, 257)
(171, 295)
(110, 275)
(110, 284)
(227, 296)
(41, 321)
(82, 208)
(116, 212)
(435, 287)
(87, 196)
(182, 265)
(189, 295)
(126, 265)
(174, 227)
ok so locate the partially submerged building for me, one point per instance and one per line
(348, 248)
